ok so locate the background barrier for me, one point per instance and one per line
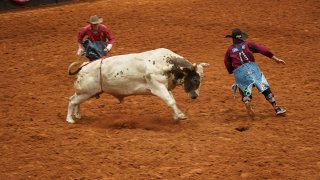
(16, 4)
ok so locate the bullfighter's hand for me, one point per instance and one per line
(80, 51)
(277, 60)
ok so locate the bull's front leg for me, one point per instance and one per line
(161, 91)
(177, 114)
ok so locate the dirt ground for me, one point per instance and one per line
(138, 139)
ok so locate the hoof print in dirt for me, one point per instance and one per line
(124, 125)
(241, 129)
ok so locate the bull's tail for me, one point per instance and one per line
(76, 71)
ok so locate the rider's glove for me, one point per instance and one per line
(80, 51)
(108, 48)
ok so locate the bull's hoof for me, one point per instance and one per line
(78, 116)
(71, 121)
(180, 116)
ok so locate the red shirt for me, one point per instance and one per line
(233, 56)
(102, 34)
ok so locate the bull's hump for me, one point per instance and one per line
(164, 52)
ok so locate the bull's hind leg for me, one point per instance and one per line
(77, 111)
(74, 102)
(161, 91)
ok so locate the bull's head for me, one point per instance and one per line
(192, 79)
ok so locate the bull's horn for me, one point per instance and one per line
(194, 66)
(73, 64)
(204, 64)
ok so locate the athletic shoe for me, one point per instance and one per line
(280, 111)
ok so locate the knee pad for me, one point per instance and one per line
(268, 95)
(246, 98)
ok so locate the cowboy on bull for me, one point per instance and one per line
(99, 41)
(240, 61)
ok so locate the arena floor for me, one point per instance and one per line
(138, 139)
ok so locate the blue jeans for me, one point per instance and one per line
(94, 50)
(247, 75)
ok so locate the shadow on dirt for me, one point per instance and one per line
(242, 128)
(259, 116)
(150, 123)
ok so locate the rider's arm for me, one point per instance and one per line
(255, 48)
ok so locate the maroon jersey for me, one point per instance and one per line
(102, 34)
(242, 52)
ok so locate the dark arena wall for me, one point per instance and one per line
(18, 4)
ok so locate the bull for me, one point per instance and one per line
(155, 72)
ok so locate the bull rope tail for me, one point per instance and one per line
(101, 75)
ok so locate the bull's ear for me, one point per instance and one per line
(204, 64)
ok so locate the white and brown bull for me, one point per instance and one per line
(154, 72)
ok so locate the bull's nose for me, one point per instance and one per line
(194, 97)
